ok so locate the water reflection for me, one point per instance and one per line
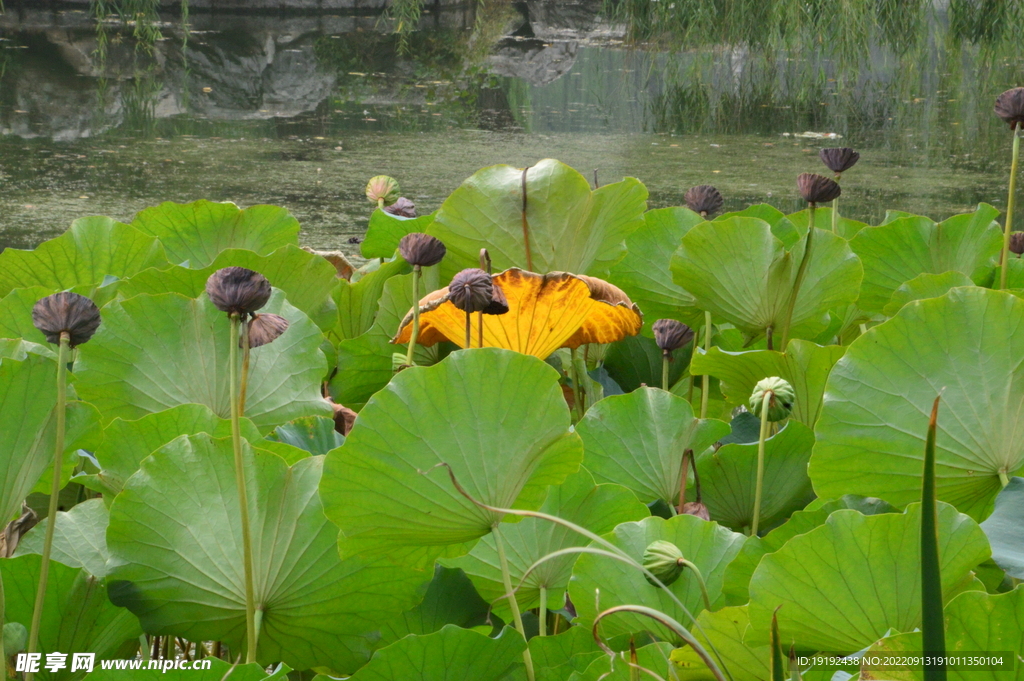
(300, 108)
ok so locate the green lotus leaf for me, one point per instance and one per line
(900, 250)
(925, 286)
(450, 599)
(638, 440)
(160, 351)
(1006, 531)
(644, 273)
(556, 657)
(729, 478)
(306, 278)
(79, 538)
(635, 361)
(845, 227)
(871, 432)
(175, 544)
(358, 302)
(571, 227)
(16, 314)
(804, 365)
(722, 631)
(452, 654)
(386, 230)
(706, 544)
(598, 508)
(314, 434)
(365, 366)
(654, 657)
(384, 486)
(219, 670)
(195, 233)
(846, 583)
(743, 274)
(84, 256)
(77, 617)
(126, 443)
(782, 227)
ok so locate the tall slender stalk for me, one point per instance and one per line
(51, 516)
(415, 314)
(933, 634)
(1004, 260)
(506, 577)
(469, 329)
(835, 214)
(542, 612)
(684, 473)
(526, 227)
(705, 384)
(243, 384)
(577, 390)
(664, 371)
(243, 496)
(800, 273)
(760, 466)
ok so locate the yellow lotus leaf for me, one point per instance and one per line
(546, 312)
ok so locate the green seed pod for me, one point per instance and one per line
(382, 188)
(780, 398)
(664, 560)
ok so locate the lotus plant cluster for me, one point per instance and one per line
(544, 432)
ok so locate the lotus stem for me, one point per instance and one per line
(469, 329)
(1003, 261)
(835, 214)
(243, 388)
(542, 612)
(760, 463)
(577, 391)
(480, 329)
(700, 582)
(415, 314)
(684, 474)
(51, 515)
(1004, 479)
(705, 381)
(664, 371)
(800, 272)
(933, 635)
(243, 496)
(512, 602)
(526, 227)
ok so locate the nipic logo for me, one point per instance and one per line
(30, 662)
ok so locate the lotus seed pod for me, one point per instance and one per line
(703, 199)
(1017, 242)
(817, 188)
(66, 312)
(840, 159)
(1010, 107)
(499, 303)
(471, 290)
(780, 398)
(671, 335)
(696, 508)
(421, 250)
(664, 560)
(266, 328)
(403, 207)
(382, 188)
(236, 290)
(15, 637)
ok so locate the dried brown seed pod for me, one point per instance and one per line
(236, 290)
(817, 188)
(265, 328)
(671, 335)
(471, 290)
(421, 249)
(499, 303)
(704, 199)
(403, 207)
(1010, 107)
(66, 312)
(839, 159)
(1017, 242)
(696, 508)
(382, 188)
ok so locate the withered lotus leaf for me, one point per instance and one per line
(546, 312)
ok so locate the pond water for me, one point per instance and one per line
(301, 108)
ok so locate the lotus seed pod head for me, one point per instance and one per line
(403, 207)
(421, 250)
(236, 290)
(670, 335)
(664, 560)
(66, 312)
(499, 303)
(696, 508)
(703, 199)
(1010, 107)
(471, 290)
(382, 188)
(780, 398)
(840, 159)
(1017, 242)
(817, 188)
(265, 328)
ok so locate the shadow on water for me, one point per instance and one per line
(110, 107)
